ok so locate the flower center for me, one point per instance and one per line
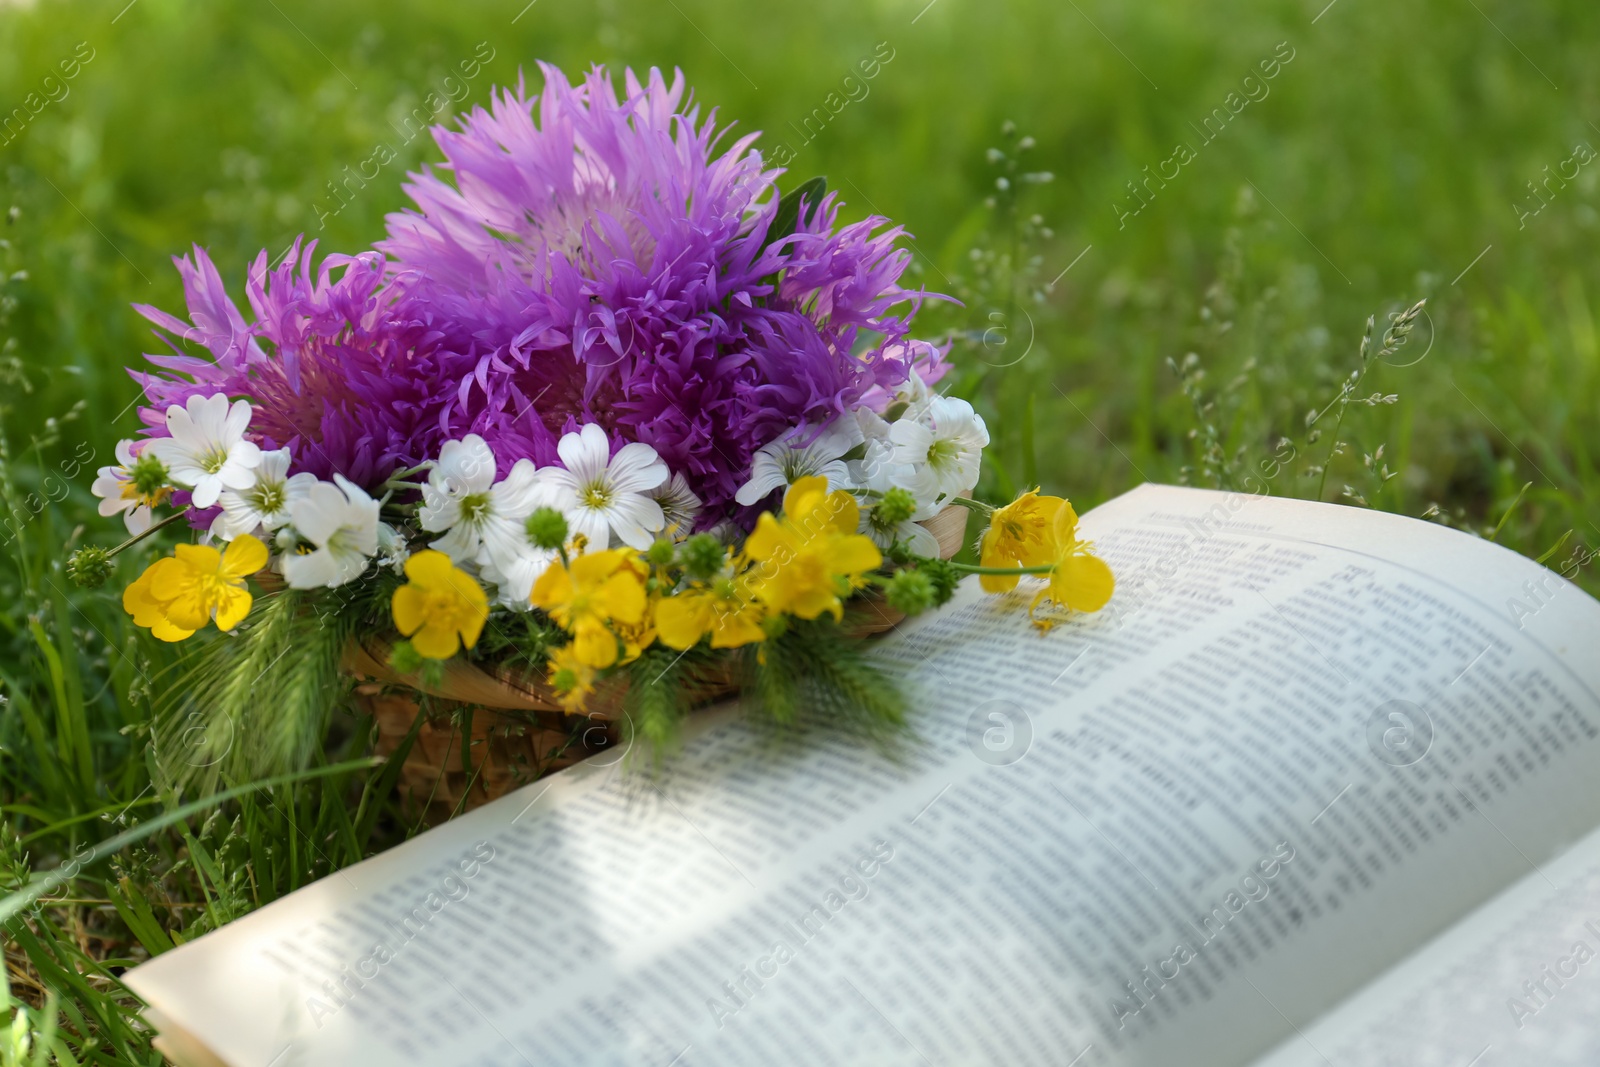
(474, 508)
(213, 461)
(268, 498)
(942, 451)
(342, 542)
(797, 465)
(595, 495)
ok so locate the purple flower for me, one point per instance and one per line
(610, 266)
(347, 372)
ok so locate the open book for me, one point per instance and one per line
(1318, 787)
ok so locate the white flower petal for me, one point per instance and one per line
(317, 515)
(523, 491)
(635, 468)
(273, 466)
(461, 544)
(236, 476)
(237, 420)
(205, 492)
(765, 476)
(137, 519)
(635, 519)
(592, 525)
(585, 453)
(911, 440)
(919, 539)
(311, 570)
(465, 466)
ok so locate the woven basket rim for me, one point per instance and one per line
(525, 689)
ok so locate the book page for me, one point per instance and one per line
(1516, 982)
(1300, 741)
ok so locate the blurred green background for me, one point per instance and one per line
(1144, 296)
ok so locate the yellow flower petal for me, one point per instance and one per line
(594, 646)
(202, 558)
(997, 583)
(804, 494)
(410, 609)
(166, 631)
(234, 606)
(1065, 526)
(846, 512)
(682, 620)
(1082, 583)
(441, 607)
(552, 590)
(436, 639)
(852, 554)
(429, 567)
(735, 629)
(137, 601)
(621, 598)
(244, 556)
(767, 539)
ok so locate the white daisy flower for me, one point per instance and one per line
(911, 399)
(265, 505)
(118, 490)
(917, 538)
(484, 521)
(602, 494)
(876, 473)
(783, 462)
(944, 448)
(506, 558)
(512, 566)
(456, 501)
(337, 529)
(679, 506)
(392, 550)
(207, 452)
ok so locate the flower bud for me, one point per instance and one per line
(547, 529)
(149, 476)
(944, 577)
(661, 553)
(703, 556)
(404, 658)
(911, 591)
(896, 506)
(90, 567)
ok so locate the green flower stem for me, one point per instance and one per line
(399, 476)
(973, 505)
(136, 538)
(967, 568)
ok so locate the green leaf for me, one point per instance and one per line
(787, 219)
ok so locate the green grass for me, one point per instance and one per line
(1187, 342)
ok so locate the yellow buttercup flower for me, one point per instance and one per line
(638, 636)
(441, 607)
(178, 595)
(1021, 534)
(586, 596)
(812, 558)
(572, 679)
(724, 608)
(1078, 580)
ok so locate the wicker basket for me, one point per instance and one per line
(513, 725)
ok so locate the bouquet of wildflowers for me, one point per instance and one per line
(603, 404)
